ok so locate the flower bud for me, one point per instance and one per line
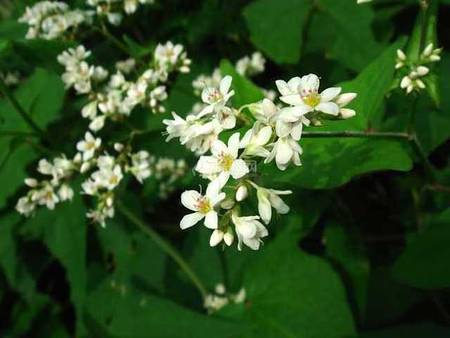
(241, 193)
(227, 204)
(422, 70)
(347, 113)
(31, 182)
(344, 99)
(228, 238)
(216, 237)
(401, 55)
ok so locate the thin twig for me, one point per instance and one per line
(165, 246)
(357, 134)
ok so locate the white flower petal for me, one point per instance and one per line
(239, 169)
(233, 145)
(190, 220)
(294, 99)
(330, 93)
(189, 199)
(264, 207)
(211, 220)
(328, 108)
(225, 84)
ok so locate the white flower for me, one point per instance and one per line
(290, 123)
(108, 177)
(249, 231)
(265, 111)
(362, 1)
(65, 192)
(203, 206)
(25, 206)
(216, 97)
(140, 165)
(255, 139)
(47, 197)
(88, 146)
(97, 123)
(224, 161)
(268, 199)
(176, 127)
(303, 94)
(284, 151)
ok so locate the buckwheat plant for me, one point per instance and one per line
(111, 95)
(271, 134)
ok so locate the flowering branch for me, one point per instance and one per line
(165, 246)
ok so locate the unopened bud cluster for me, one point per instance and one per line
(415, 70)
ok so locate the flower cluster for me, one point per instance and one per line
(10, 78)
(215, 301)
(54, 19)
(415, 69)
(113, 10)
(51, 19)
(273, 134)
(115, 97)
(51, 190)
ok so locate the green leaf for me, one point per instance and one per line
(347, 251)
(355, 45)
(41, 96)
(419, 330)
(276, 27)
(136, 259)
(387, 300)
(16, 272)
(245, 90)
(293, 294)
(424, 262)
(63, 231)
(330, 162)
(127, 313)
(371, 85)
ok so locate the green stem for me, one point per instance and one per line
(357, 134)
(424, 6)
(165, 246)
(9, 133)
(18, 108)
(119, 44)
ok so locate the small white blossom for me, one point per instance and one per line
(88, 146)
(203, 206)
(249, 231)
(224, 161)
(303, 94)
(268, 199)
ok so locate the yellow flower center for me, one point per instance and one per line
(311, 100)
(203, 205)
(226, 161)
